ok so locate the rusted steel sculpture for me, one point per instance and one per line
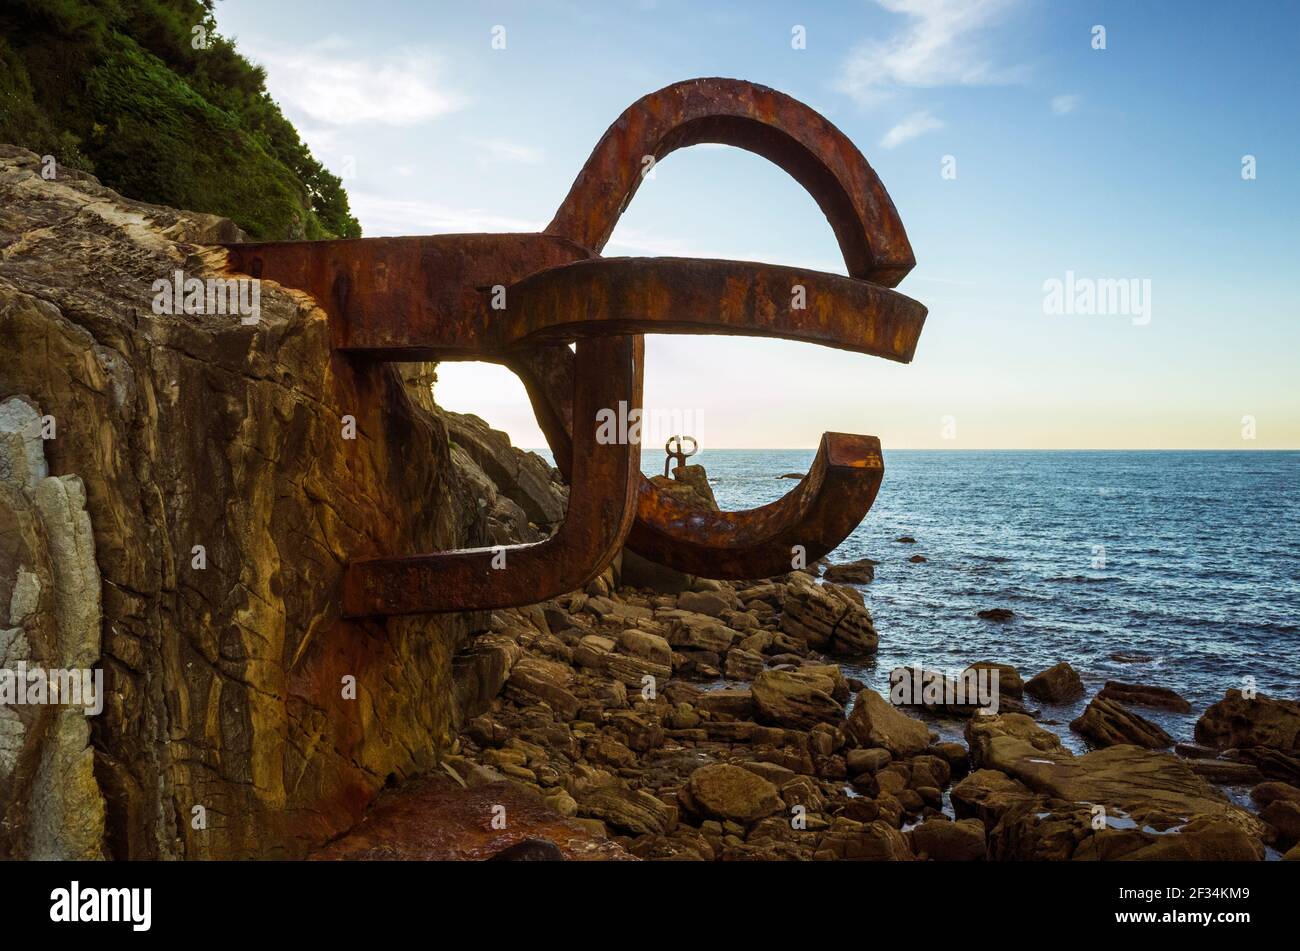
(519, 299)
(678, 455)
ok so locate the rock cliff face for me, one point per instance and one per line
(199, 471)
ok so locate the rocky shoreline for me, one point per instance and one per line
(681, 718)
(606, 705)
(661, 716)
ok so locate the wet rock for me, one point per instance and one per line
(1057, 684)
(943, 840)
(1000, 615)
(1237, 722)
(1121, 657)
(955, 755)
(918, 559)
(795, 698)
(875, 722)
(905, 540)
(723, 791)
(1142, 695)
(862, 571)
(436, 819)
(1107, 723)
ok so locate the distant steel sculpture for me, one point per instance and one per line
(520, 299)
(675, 452)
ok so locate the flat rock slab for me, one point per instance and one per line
(435, 819)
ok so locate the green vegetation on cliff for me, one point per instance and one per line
(146, 96)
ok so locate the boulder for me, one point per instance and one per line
(1143, 695)
(1000, 615)
(942, 840)
(643, 644)
(987, 795)
(1010, 683)
(1272, 791)
(1107, 723)
(981, 731)
(1235, 722)
(632, 811)
(727, 792)
(544, 680)
(708, 603)
(735, 704)
(687, 629)
(1284, 816)
(641, 572)
(1057, 684)
(826, 617)
(861, 761)
(875, 722)
(862, 571)
(876, 841)
(795, 698)
(742, 664)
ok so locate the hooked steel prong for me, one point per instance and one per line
(603, 483)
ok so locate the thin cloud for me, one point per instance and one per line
(918, 123)
(324, 84)
(1064, 104)
(499, 150)
(381, 216)
(941, 46)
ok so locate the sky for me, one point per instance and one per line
(1018, 152)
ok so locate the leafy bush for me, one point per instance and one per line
(116, 88)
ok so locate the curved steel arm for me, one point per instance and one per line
(603, 483)
(746, 115)
(817, 514)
